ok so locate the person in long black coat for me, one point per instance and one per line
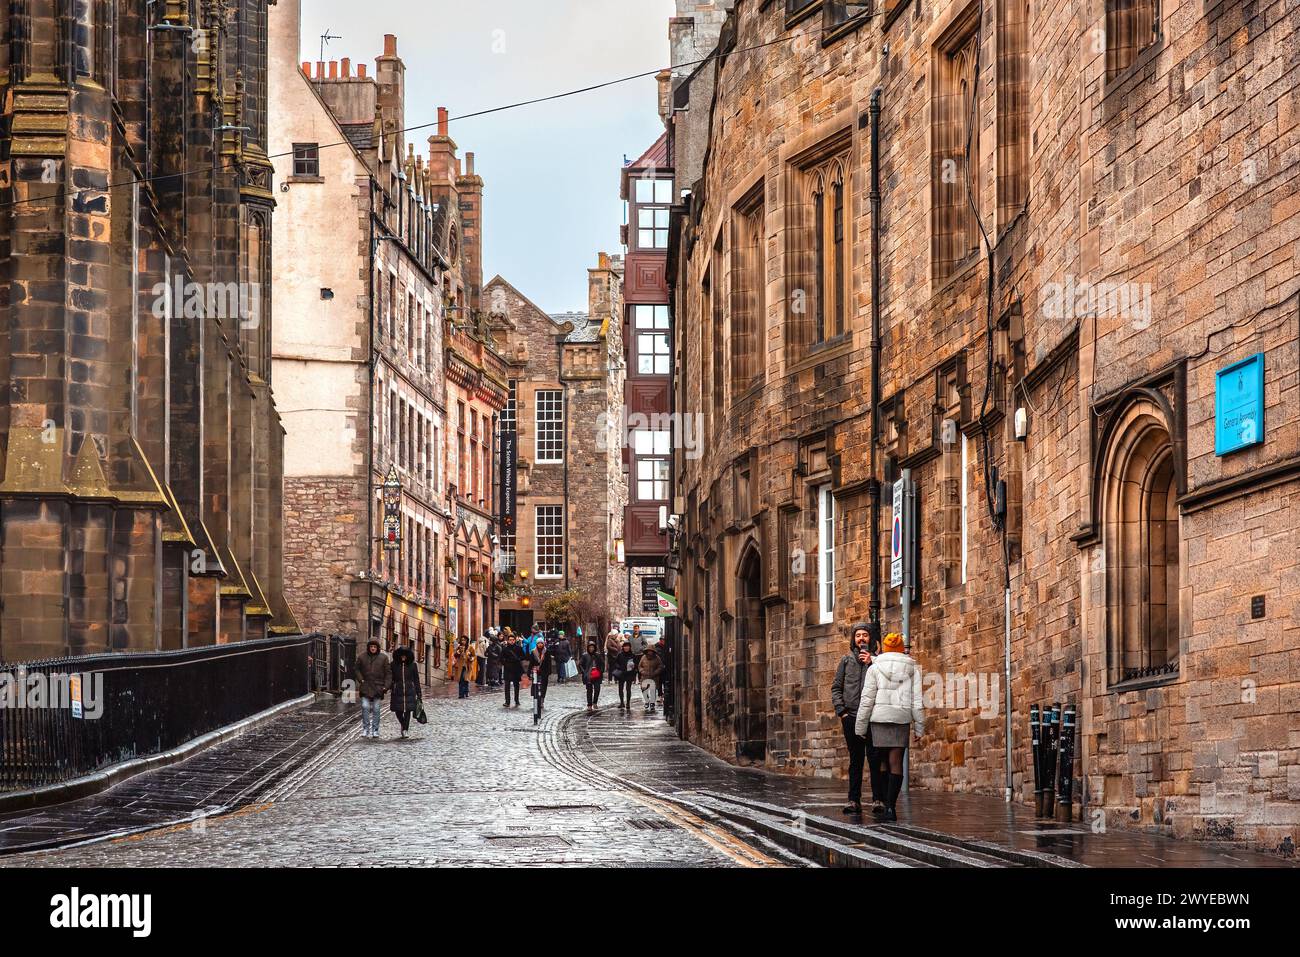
(513, 661)
(590, 666)
(563, 654)
(405, 692)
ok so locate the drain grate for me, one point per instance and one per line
(653, 824)
(572, 808)
(532, 840)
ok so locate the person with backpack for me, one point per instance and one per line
(513, 662)
(405, 688)
(592, 675)
(891, 702)
(846, 695)
(650, 668)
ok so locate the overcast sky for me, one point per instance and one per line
(551, 170)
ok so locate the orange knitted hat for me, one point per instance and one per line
(892, 642)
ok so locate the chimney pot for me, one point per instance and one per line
(334, 69)
(390, 45)
(469, 164)
(306, 68)
(361, 70)
(320, 69)
(346, 68)
(443, 121)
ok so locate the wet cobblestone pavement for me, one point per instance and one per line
(646, 752)
(477, 785)
(480, 785)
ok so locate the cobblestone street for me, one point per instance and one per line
(476, 786)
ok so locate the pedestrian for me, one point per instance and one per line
(374, 673)
(465, 665)
(623, 671)
(513, 660)
(613, 648)
(543, 665)
(480, 652)
(666, 676)
(494, 658)
(406, 687)
(891, 700)
(563, 655)
(592, 676)
(650, 668)
(846, 695)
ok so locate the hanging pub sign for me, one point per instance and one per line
(651, 585)
(392, 490)
(1239, 405)
(509, 455)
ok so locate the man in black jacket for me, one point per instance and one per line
(513, 662)
(846, 694)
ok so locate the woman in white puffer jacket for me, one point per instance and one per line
(891, 701)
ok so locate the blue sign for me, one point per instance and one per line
(1239, 405)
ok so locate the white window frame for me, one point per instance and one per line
(825, 554)
(548, 568)
(655, 463)
(550, 429)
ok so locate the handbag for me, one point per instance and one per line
(595, 674)
(420, 716)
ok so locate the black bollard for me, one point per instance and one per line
(1051, 742)
(1035, 732)
(1065, 774)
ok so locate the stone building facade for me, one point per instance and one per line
(141, 450)
(566, 391)
(372, 298)
(1085, 213)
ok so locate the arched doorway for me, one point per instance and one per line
(1142, 548)
(751, 660)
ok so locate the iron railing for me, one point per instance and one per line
(332, 660)
(137, 704)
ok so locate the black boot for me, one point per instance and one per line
(895, 786)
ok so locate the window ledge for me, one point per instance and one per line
(823, 352)
(1144, 684)
(303, 179)
(851, 25)
(795, 19)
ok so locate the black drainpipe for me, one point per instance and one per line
(873, 487)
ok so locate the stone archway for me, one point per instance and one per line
(751, 659)
(1141, 533)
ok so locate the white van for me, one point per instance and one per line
(652, 632)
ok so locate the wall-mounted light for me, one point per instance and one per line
(1022, 424)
